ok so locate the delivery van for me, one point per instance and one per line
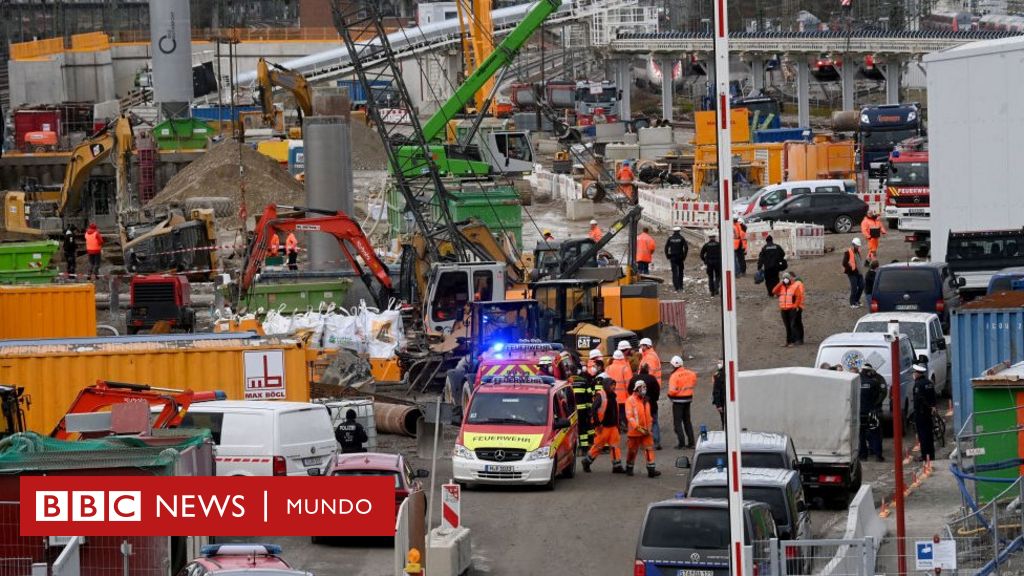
(853, 350)
(267, 438)
(517, 430)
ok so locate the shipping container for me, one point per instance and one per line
(706, 129)
(982, 335)
(357, 94)
(224, 113)
(999, 410)
(26, 121)
(296, 159)
(821, 160)
(23, 256)
(297, 295)
(974, 135)
(782, 135)
(50, 311)
(243, 365)
(182, 134)
(498, 206)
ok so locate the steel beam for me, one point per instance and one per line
(757, 72)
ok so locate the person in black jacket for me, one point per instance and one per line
(872, 396)
(718, 391)
(676, 250)
(771, 261)
(851, 268)
(350, 434)
(711, 256)
(70, 246)
(924, 408)
(869, 280)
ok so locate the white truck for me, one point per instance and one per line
(974, 119)
(820, 411)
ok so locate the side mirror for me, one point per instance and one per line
(961, 282)
(456, 420)
(683, 462)
(922, 359)
(422, 473)
(802, 506)
(940, 343)
(806, 462)
(562, 423)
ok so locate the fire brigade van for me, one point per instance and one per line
(500, 360)
(517, 430)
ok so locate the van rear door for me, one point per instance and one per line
(685, 540)
(305, 439)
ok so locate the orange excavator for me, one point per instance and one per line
(345, 230)
(101, 396)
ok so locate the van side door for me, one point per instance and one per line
(938, 354)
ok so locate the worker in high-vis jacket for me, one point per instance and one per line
(94, 248)
(291, 249)
(873, 230)
(681, 385)
(583, 393)
(645, 247)
(595, 232)
(638, 430)
(621, 373)
(605, 414)
(791, 305)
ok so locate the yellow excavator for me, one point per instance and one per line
(270, 76)
(35, 213)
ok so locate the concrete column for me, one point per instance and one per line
(848, 75)
(803, 89)
(757, 72)
(667, 87)
(893, 78)
(625, 83)
(328, 180)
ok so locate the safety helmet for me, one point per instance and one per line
(677, 361)
(856, 242)
(593, 222)
(544, 361)
(646, 342)
(603, 376)
(618, 355)
(640, 386)
(594, 354)
(548, 233)
(624, 345)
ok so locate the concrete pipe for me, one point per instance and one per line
(396, 418)
(846, 120)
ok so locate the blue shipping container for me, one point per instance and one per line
(981, 339)
(296, 160)
(782, 135)
(356, 92)
(216, 113)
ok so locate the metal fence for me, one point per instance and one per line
(15, 567)
(835, 557)
(69, 561)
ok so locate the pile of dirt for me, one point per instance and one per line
(216, 174)
(368, 151)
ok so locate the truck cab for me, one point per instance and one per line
(906, 190)
(881, 129)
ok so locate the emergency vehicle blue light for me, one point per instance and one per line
(895, 154)
(498, 346)
(703, 431)
(719, 464)
(680, 495)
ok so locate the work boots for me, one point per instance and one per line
(629, 469)
(617, 468)
(586, 463)
(652, 473)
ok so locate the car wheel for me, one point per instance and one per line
(843, 224)
(570, 472)
(316, 540)
(554, 474)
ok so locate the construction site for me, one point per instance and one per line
(597, 286)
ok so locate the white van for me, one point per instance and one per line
(772, 194)
(267, 438)
(925, 332)
(853, 350)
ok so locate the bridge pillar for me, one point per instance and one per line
(848, 76)
(624, 79)
(803, 92)
(667, 86)
(893, 77)
(757, 73)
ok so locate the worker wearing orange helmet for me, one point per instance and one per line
(605, 413)
(873, 230)
(638, 432)
(621, 373)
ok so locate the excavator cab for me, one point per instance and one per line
(12, 412)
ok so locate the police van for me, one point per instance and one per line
(517, 430)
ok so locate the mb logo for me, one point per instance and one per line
(88, 506)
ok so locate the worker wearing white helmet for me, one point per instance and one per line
(595, 232)
(851, 267)
(621, 372)
(605, 417)
(595, 362)
(640, 425)
(681, 386)
(650, 357)
(544, 366)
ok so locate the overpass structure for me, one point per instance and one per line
(892, 48)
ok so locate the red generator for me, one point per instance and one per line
(160, 297)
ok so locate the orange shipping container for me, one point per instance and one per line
(706, 131)
(48, 311)
(243, 366)
(820, 160)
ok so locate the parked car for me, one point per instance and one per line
(691, 536)
(240, 558)
(1007, 280)
(759, 450)
(771, 195)
(925, 332)
(839, 212)
(916, 287)
(267, 438)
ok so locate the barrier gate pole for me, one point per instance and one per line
(729, 317)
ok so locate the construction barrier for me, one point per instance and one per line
(673, 313)
(799, 240)
(559, 186)
(874, 200)
(675, 206)
(702, 215)
(809, 240)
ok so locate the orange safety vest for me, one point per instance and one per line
(595, 234)
(604, 404)
(682, 383)
(650, 357)
(621, 373)
(869, 224)
(291, 244)
(852, 255)
(93, 241)
(645, 247)
(625, 177)
(799, 294)
(275, 244)
(638, 415)
(790, 297)
(739, 239)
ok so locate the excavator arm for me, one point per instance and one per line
(114, 136)
(345, 230)
(269, 76)
(630, 220)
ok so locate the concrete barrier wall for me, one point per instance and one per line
(862, 521)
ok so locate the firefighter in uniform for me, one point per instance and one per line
(583, 392)
(605, 414)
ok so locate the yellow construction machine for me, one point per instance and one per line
(270, 76)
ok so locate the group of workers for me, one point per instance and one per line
(291, 249)
(93, 249)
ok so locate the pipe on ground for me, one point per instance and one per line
(396, 418)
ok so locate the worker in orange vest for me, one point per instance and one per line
(605, 413)
(739, 246)
(872, 229)
(638, 432)
(291, 249)
(852, 270)
(645, 247)
(650, 357)
(791, 305)
(595, 232)
(621, 373)
(681, 385)
(274, 247)
(94, 248)
(625, 178)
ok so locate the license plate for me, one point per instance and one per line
(312, 461)
(695, 573)
(497, 468)
(906, 306)
(918, 211)
(313, 471)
